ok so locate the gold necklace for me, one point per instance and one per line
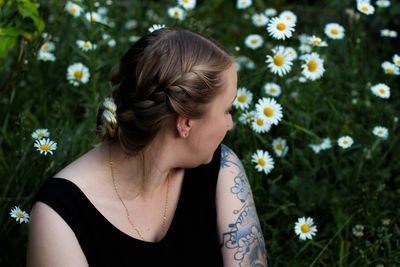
(126, 209)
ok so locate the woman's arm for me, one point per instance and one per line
(51, 242)
(239, 230)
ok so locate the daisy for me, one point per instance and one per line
(396, 60)
(280, 28)
(176, 13)
(326, 143)
(76, 73)
(111, 43)
(156, 27)
(248, 63)
(133, 38)
(238, 67)
(381, 90)
(259, 19)
(263, 160)
(390, 68)
(270, 12)
(259, 124)
(388, 33)
(291, 52)
(281, 62)
(305, 228)
(269, 110)
(315, 147)
(45, 145)
(334, 31)
(247, 117)
(46, 56)
(94, 16)
(47, 47)
(242, 4)
(243, 98)
(380, 131)
(85, 45)
(365, 7)
(187, 4)
(358, 230)
(289, 16)
(313, 68)
(316, 41)
(130, 24)
(345, 142)
(39, 133)
(304, 39)
(102, 10)
(280, 147)
(305, 48)
(19, 215)
(73, 9)
(382, 3)
(272, 89)
(253, 41)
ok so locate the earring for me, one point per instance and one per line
(185, 135)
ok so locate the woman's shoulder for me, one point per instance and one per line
(229, 158)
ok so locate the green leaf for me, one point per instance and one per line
(30, 10)
(6, 43)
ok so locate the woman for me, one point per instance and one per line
(159, 189)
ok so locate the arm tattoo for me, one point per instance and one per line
(245, 235)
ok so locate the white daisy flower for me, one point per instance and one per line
(76, 73)
(259, 124)
(243, 98)
(280, 28)
(388, 33)
(176, 13)
(345, 142)
(305, 228)
(95, 17)
(365, 7)
(305, 48)
(381, 90)
(47, 47)
(315, 147)
(242, 4)
(247, 117)
(270, 12)
(263, 160)
(253, 41)
(45, 145)
(19, 215)
(237, 66)
(390, 68)
(259, 19)
(269, 110)
(85, 45)
(304, 39)
(111, 43)
(187, 4)
(291, 52)
(133, 38)
(102, 11)
(313, 68)
(272, 89)
(40, 133)
(381, 132)
(358, 230)
(396, 60)
(302, 79)
(73, 9)
(156, 27)
(334, 31)
(316, 41)
(280, 147)
(249, 64)
(289, 16)
(131, 24)
(46, 56)
(281, 62)
(382, 3)
(326, 143)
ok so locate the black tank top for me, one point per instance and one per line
(191, 239)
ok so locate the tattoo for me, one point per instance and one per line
(245, 235)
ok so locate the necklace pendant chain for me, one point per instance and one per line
(126, 209)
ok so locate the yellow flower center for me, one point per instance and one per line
(278, 60)
(288, 18)
(176, 14)
(305, 228)
(78, 74)
(272, 90)
(260, 122)
(254, 41)
(334, 31)
(248, 117)
(317, 42)
(45, 147)
(364, 8)
(45, 47)
(73, 10)
(44, 57)
(86, 45)
(389, 32)
(380, 132)
(259, 20)
(261, 162)
(345, 142)
(185, 1)
(244, 2)
(389, 70)
(281, 26)
(93, 19)
(398, 62)
(312, 66)
(382, 91)
(268, 112)
(20, 215)
(40, 135)
(242, 98)
(279, 146)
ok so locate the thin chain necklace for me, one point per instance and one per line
(126, 209)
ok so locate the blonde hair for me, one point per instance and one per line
(166, 73)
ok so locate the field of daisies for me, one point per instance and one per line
(316, 115)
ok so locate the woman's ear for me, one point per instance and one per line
(183, 126)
